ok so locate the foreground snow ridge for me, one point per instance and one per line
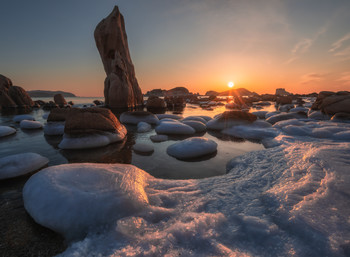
(282, 201)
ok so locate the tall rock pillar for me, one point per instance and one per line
(121, 89)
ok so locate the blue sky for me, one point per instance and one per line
(302, 45)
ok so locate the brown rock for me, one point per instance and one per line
(59, 99)
(155, 102)
(237, 115)
(13, 96)
(58, 114)
(121, 86)
(332, 103)
(91, 120)
(284, 100)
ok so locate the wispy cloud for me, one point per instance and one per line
(338, 44)
(303, 45)
(312, 77)
(344, 78)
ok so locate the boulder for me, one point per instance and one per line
(284, 100)
(138, 116)
(59, 100)
(91, 120)
(332, 103)
(154, 102)
(231, 118)
(341, 116)
(13, 96)
(121, 88)
(58, 114)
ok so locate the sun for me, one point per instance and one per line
(231, 84)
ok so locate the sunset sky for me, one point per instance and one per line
(300, 45)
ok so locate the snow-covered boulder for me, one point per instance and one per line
(318, 115)
(299, 109)
(91, 140)
(230, 118)
(52, 128)
(159, 138)
(143, 148)
(143, 127)
(74, 199)
(30, 124)
(196, 118)
(174, 128)
(250, 132)
(21, 164)
(19, 118)
(270, 114)
(260, 114)
(196, 125)
(6, 131)
(138, 116)
(286, 116)
(171, 116)
(192, 148)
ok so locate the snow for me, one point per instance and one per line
(159, 138)
(143, 148)
(6, 131)
(318, 115)
(249, 132)
(192, 148)
(136, 117)
(174, 128)
(299, 109)
(75, 199)
(171, 116)
(21, 164)
(19, 118)
(52, 128)
(143, 127)
(216, 124)
(285, 116)
(195, 118)
(91, 140)
(270, 114)
(196, 125)
(29, 124)
(260, 114)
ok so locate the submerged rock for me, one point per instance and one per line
(143, 148)
(138, 116)
(121, 89)
(21, 164)
(159, 138)
(192, 148)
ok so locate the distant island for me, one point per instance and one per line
(238, 91)
(46, 93)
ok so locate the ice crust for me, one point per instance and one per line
(288, 200)
(192, 148)
(21, 164)
(29, 124)
(6, 131)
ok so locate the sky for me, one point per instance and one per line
(300, 45)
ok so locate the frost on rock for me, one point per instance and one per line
(53, 128)
(74, 199)
(143, 127)
(174, 128)
(91, 140)
(192, 148)
(21, 164)
(29, 124)
(6, 131)
(19, 118)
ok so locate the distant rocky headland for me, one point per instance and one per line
(47, 93)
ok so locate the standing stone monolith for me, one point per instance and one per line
(121, 89)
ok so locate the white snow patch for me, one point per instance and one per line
(196, 125)
(192, 148)
(6, 131)
(128, 118)
(174, 128)
(29, 124)
(250, 132)
(21, 164)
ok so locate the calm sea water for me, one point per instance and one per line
(159, 164)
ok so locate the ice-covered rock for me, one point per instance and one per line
(260, 114)
(229, 119)
(318, 115)
(91, 140)
(283, 123)
(143, 127)
(30, 124)
(207, 118)
(196, 118)
(299, 109)
(21, 164)
(270, 114)
(196, 125)
(159, 138)
(54, 128)
(143, 148)
(19, 118)
(138, 116)
(6, 131)
(250, 132)
(192, 148)
(45, 115)
(170, 120)
(286, 107)
(171, 116)
(74, 199)
(174, 128)
(286, 116)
